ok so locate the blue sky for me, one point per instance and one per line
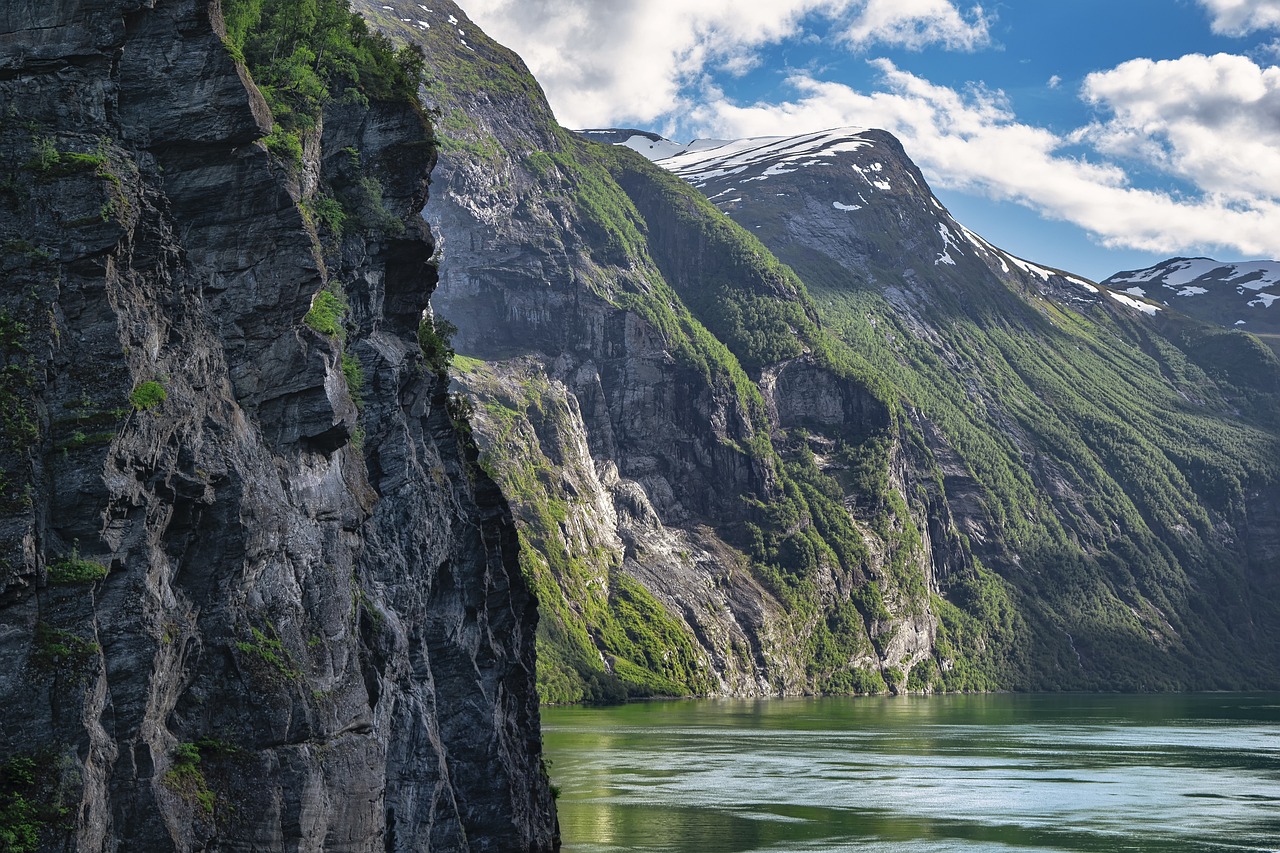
(1093, 136)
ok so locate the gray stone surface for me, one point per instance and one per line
(338, 625)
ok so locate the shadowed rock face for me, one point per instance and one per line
(237, 610)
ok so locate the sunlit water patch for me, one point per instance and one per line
(1193, 774)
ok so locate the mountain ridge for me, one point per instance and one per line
(879, 562)
(1235, 294)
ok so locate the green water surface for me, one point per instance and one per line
(1191, 774)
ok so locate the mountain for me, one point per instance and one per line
(901, 458)
(285, 483)
(1237, 295)
(984, 341)
(254, 591)
(681, 540)
(1114, 443)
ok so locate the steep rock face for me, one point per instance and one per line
(238, 610)
(650, 472)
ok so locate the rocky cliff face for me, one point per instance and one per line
(256, 593)
(651, 443)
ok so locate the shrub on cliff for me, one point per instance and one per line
(301, 52)
(148, 395)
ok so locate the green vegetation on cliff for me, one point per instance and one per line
(1139, 464)
(795, 532)
(651, 247)
(588, 605)
(36, 810)
(302, 53)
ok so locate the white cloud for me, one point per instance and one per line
(973, 142)
(609, 62)
(1241, 17)
(916, 23)
(1210, 120)
(1055, 81)
(1266, 52)
(605, 62)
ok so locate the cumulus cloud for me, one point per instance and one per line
(1241, 17)
(1211, 120)
(608, 62)
(915, 24)
(972, 141)
(605, 62)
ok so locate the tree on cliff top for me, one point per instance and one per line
(301, 53)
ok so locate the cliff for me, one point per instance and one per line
(256, 593)
(639, 368)
(905, 460)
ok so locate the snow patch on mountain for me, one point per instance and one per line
(1005, 259)
(1232, 294)
(1188, 277)
(981, 244)
(948, 243)
(879, 183)
(1030, 268)
(1130, 302)
(654, 149)
(838, 206)
(763, 157)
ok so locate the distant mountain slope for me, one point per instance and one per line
(649, 386)
(1238, 295)
(1091, 432)
(908, 460)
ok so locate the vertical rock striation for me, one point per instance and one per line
(245, 602)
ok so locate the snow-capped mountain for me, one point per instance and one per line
(1235, 294)
(853, 195)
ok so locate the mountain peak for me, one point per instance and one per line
(857, 187)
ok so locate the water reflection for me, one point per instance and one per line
(974, 773)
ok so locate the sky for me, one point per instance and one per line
(1091, 135)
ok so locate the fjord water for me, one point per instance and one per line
(1191, 774)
